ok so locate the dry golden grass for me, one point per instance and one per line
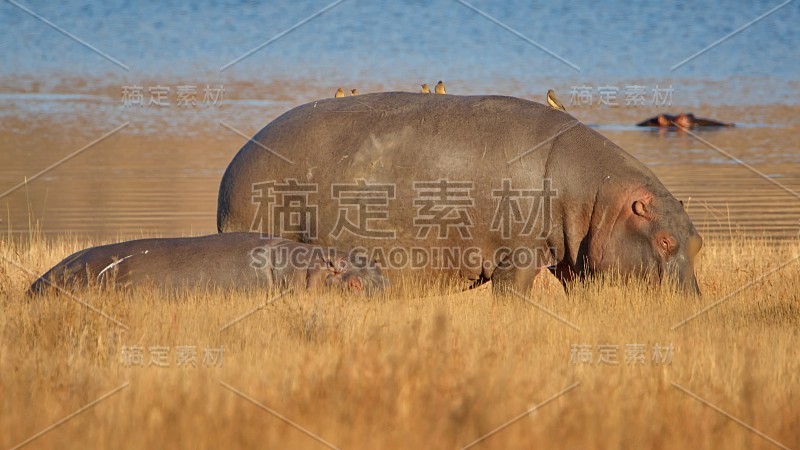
(410, 369)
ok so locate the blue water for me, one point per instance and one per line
(609, 42)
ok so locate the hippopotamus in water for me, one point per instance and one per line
(687, 120)
(227, 261)
(483, 187)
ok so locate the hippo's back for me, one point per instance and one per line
(221, 259)
(387, 137)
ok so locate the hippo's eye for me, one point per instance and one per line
(667, 244)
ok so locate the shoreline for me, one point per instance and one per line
(160, 174)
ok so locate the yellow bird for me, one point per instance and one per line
(425, 89)
(339, 93)
(353, 92)
(440, 88)
(553, 101)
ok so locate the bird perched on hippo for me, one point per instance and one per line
(553, 101)
(226, 261)
(480, 187)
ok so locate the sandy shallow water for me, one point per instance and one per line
(159, 174)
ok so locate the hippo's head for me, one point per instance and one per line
(685, 120)
(368, 280)
(654, 237)
(664, 120)
(341, 272)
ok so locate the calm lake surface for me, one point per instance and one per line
(159, 171)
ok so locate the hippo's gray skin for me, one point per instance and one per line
(610, 213)
(227, 261)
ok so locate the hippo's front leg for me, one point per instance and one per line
(565, 273)
(513, 280)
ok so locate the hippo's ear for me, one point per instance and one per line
(641, 209)
(338, 264)
(355, 284)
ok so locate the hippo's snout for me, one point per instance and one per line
(680, 273)
(690, 286)
(694, 243)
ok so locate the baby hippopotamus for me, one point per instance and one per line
(227, 261)
(687, 120)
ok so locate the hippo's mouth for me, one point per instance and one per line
(680, 273)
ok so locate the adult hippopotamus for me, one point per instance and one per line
(487, 187)
(686, 120)
(226, 261)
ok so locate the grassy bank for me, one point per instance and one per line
(411, 369)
